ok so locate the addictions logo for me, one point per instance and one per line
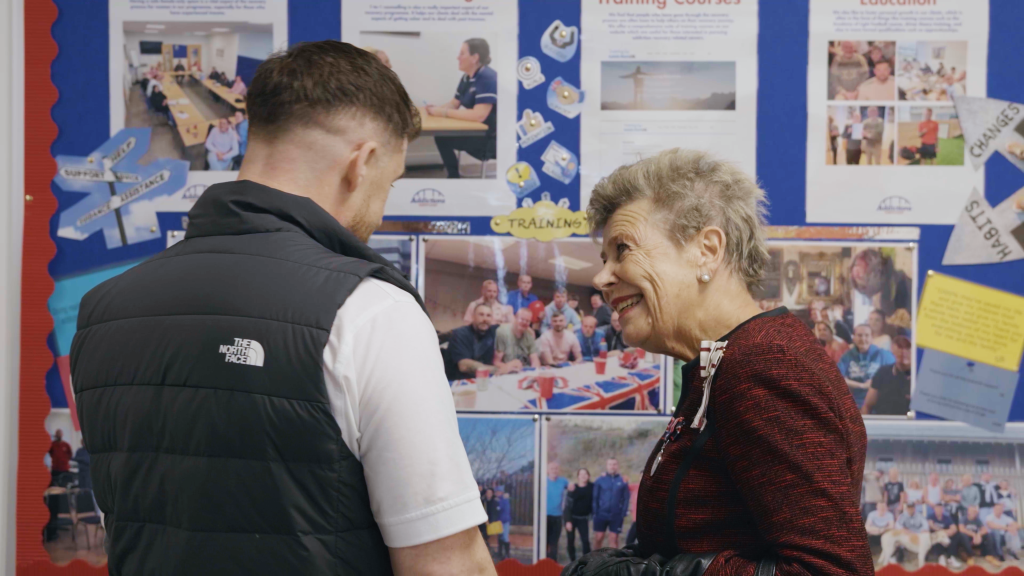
(894, 205)
(428, 197)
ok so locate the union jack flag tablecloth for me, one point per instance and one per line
(577, 387)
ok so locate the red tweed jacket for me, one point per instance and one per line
(782, 470)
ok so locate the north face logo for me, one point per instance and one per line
(242, 352)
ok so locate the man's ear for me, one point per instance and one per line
(357, 165)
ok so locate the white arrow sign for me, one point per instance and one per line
(133, 193)
(97, 175)
(122, 151)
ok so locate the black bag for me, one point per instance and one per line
(625, 562)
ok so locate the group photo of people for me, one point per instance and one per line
(457, 96)
(502, 453)
(882, 73)
(858, 300)
(187, 82)
(512, 311)
(942, 500)
(592, 469)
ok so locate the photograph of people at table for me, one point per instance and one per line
(521, 328)
(187, 82)
(452, 82)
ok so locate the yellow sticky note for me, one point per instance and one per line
(971, 321)
(544, 221)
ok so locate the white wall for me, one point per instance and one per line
(12, 82)
(131, 41)
(226, 62)
(426, 64)
(255, 45)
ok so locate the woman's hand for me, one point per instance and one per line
(433, 110)
(568, 526)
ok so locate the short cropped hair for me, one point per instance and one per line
(901, 342)
(312, 81)
(691, 190)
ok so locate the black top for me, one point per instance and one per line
(468, 342)
(200, 389)
(580, 501)
(893, 387)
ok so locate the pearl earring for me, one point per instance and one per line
(705, 277)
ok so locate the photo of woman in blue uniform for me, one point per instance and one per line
(475, 100)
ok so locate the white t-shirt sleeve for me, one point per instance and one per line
(388, 391)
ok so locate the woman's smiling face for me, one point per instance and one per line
(647, 278)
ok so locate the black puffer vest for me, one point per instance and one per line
(200, 389)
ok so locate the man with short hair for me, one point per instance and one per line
(871, 138)
(613, 334)
(860, 363)
(611, 504)
(221, 146)
(894, 492)
(556, 488)
(882, 86)
(179, 67)
(500, 313)
(880, 520)
(940, 521)
(928, 131)
(890, 386)
(256, 398)
(60, 456)
(847, 72)
(999, 525)
(970, 494)
(911, 533)
(560, 304)
(515, 346)
(522, 297)
(242, 129)
(590, 338)
(972, 532)
(989, 492)
(472, 347)
(559, 345)
(601, 311)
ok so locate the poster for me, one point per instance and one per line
(533, 303)
(858, 298)
(503, 454)
(660, 75)
(454, 59)
(884, 141)
(201, 56)
(943, 468)
(609, 454)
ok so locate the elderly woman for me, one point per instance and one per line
(761, 467)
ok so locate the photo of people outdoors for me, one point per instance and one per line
(861, 70)
(592, 468)
(521, 328)
(930, 136)
(502, 452)
(74, 529)
(931, 71)
(861, 136)
(187, 81)
(858, 299)
(932, 496)
(668, 85)
(451, 81)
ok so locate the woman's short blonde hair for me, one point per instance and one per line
(692, 190)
